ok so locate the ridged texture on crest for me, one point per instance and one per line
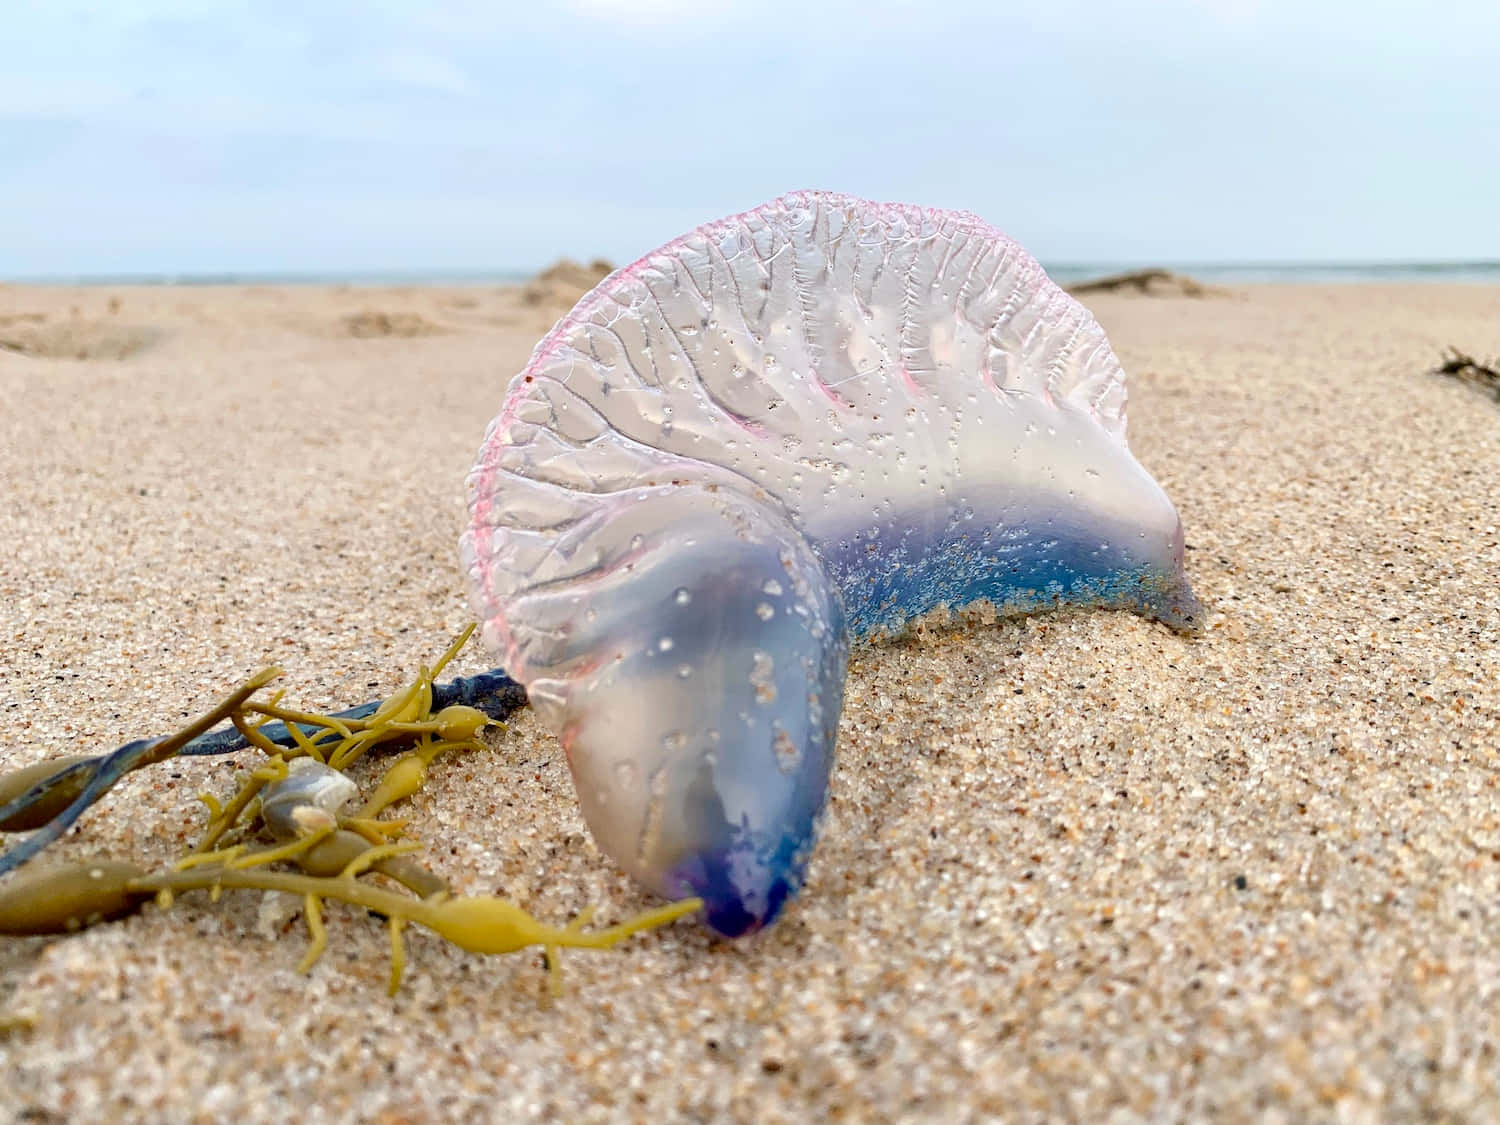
(796, 348)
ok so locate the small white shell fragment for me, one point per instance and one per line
(307, 799)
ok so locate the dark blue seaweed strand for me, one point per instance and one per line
(492, 692)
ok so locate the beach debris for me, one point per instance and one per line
(1155, 282)
(56, 783)
(51, 796)
(74, 896)
(1466, 369)
(58, 792)
(306, 800)
(564, 281)
(784, 431)
(296, 797)
(71, 897)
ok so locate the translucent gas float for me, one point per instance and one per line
(786, 431)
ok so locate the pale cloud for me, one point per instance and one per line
(426, 70)
(650, 12)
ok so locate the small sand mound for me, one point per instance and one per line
(76, 339)
(1151, 282)
(563, 282)
(371, 324)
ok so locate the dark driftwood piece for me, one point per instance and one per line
(1152, 282)
(1467, 369)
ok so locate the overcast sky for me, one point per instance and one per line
(347, 135)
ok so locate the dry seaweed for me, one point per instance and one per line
(1466, 369)
(1150, 282)
(295, 798)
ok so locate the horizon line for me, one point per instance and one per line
(515, 275)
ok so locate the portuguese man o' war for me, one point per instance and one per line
(796, 427)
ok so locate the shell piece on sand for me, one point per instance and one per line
(807, 423)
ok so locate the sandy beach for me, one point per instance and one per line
(1075, 867)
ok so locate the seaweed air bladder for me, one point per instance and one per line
(784, 432)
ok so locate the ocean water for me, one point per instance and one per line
(328, 277)
(1297, 273)
(1064, 273)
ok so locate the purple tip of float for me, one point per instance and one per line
(738, 903)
